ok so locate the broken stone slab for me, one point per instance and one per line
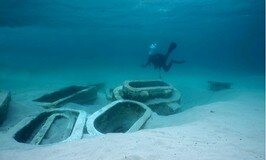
(74, 94)
(217, 86)
(160, 105)
(143, 90)
(52, 126)
(165, 106)
(120, 116)
(5, 98)
(118, 93)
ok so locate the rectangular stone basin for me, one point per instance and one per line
(120, 116)
(161, 105)
(143, 90)
(74, 94)
(5, 98)
(49, 127)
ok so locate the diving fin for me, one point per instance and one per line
(172, 46)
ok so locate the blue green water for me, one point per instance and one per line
(220, 35)
(46, 45)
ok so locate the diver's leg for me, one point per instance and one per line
(167, 67)
(171, 47)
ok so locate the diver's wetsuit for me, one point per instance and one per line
(159, 60)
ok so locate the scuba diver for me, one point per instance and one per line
(159, 60)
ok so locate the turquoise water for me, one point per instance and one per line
(221, 35)
(46, 45)
(52, 44)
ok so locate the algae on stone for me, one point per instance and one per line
(143, 90)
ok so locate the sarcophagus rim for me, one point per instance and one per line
(29, 131)
(74, 93)
(142, 90)
(97, 117)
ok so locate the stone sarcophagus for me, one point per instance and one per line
(5, 98)
(74, 94)
(53, 126)
(161, 97)
(120, 116)
(146, 89)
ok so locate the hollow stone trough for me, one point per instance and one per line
(121, 116)
(161, 97)
(74, 94)
(53, 126)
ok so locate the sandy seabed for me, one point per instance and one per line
(228, 124)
